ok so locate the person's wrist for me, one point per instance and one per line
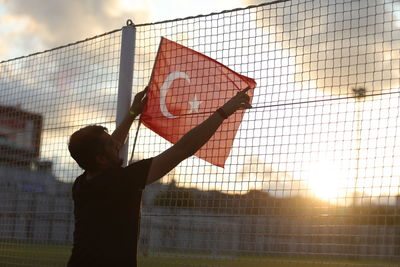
(133, 113)
(222, 113)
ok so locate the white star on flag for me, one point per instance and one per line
(194, 105)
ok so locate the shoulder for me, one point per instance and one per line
(137, 172)
(78, 181)
(77, 185)
(139, 166)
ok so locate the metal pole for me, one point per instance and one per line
(125, 78)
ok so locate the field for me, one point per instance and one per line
(13, 254)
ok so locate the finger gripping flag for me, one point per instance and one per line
(185, 88)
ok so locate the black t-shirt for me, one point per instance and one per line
(106, 210)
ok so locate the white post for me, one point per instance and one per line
(125, 78)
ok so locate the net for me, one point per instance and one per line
(44, 98)
(313, 176)
(302, 177)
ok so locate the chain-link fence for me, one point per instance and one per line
(314, 172)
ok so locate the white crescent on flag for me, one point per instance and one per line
(164, 90)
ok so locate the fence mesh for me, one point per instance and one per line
(313, 177)
(44, 98)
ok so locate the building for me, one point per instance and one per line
(20, 135)
(34, 205)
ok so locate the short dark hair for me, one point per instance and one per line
(85, 144)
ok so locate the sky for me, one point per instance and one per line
(321, 53)
(28, 26)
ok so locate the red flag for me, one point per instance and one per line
(185, 88)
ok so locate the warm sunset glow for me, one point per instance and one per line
(326, 181)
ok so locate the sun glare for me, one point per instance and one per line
(326, 181)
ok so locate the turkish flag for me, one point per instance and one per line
(185, 88)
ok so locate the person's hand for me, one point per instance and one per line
(240, 101)
(139, 102)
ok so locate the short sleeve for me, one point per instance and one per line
(135, 174)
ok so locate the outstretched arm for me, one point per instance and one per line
(121, 132)
(195, 138)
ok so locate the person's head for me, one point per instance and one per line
(94, 149)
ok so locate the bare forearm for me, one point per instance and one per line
(121, 132)
(199, 135)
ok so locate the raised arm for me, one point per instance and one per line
(195, 138)
(121, 132)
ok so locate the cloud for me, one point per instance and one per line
(54, 23)
(17, 36)
(255, 174)
(338, 45)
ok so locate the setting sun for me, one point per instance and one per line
(327, 181)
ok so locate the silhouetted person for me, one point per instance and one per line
(107, 196)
